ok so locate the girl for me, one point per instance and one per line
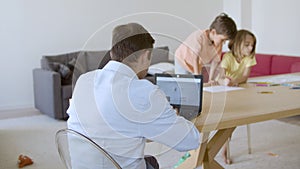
(236, 65)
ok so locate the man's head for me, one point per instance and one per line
(223, 28)
(132, 45)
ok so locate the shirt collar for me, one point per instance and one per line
(120, 68)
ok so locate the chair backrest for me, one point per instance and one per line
(77, 151)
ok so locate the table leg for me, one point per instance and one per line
(203, 146)
(212, 165)
(207, 151)
(213, 147)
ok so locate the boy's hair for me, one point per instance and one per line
(128, 39)
(224, 25)
(235, 44)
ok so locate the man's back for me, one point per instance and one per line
(119, 111)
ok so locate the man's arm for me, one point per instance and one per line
(169, 129)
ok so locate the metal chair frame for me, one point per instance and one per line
(90, 141)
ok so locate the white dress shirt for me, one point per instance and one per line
(119, 112)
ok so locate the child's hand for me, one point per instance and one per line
(212, 83)
(227, 81)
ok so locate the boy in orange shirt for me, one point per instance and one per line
(204, 47)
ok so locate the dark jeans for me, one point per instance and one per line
(151, 162)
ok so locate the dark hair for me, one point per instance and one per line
(128, 46)
(224, 25)
(235, 44)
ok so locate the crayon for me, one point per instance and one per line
(295, 87)
(263, 84)
(286, 84)
(266, 92)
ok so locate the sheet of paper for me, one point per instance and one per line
(215, 89)
(276, 79)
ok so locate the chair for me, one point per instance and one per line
(77, 151)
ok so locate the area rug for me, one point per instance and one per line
(275, 145)
(33, 136)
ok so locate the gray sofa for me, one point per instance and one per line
(54, 81)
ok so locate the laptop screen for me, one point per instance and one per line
(181, 90)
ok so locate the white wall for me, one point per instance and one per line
(276, 23)
(240, 11)
(32, 28)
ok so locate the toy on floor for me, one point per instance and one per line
(24, 161)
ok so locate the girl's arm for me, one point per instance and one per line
(227, 81)
(223, 80)
(243, 78)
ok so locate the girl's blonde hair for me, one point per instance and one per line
(235, 44)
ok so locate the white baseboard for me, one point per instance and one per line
(15, 107)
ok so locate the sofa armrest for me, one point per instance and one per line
(47, 92)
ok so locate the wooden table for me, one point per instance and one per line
(226, 110)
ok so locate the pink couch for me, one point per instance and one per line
(269, 64)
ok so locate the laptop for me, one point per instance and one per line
(184, 92)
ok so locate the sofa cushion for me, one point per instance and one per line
(283, 64)
(61, 58)
(161, 67)
(88, 61)
(160, 54)
(63, 64)
(295, 67)
(65, 70)
(62, 69)
(92, 60)
(105, 58)
(66, 91)
(263, 66)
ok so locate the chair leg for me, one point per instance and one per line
(249, 142)
(226, 152)
(249, 138)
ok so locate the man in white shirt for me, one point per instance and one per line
(120, 110)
